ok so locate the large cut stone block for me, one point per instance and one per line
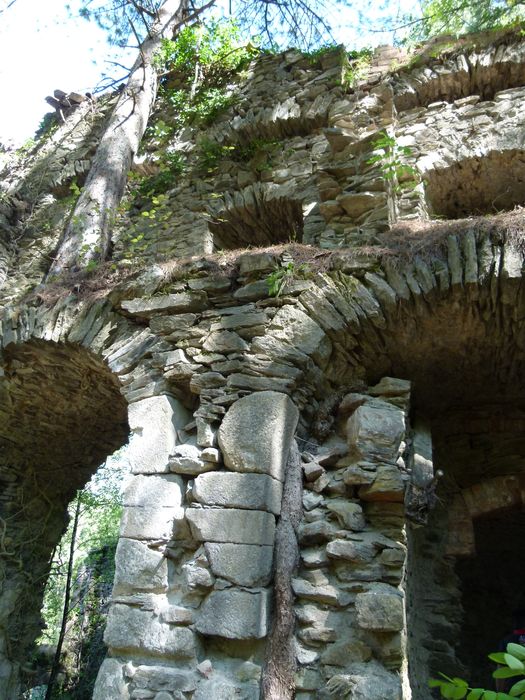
(256, 433)
(243, 564)
(380, 608)
(154, 490)
(154, 423)
(110, 683)
(164, 678)
(234, 614)
(141, 630)
(150, 523)
(231, 525)
(254, 491)
(375, 430)
(139, 568)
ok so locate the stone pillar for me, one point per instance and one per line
(350, 600)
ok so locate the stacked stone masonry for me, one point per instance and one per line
(379, 365)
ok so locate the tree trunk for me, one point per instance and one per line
(87, 236)
(67, 598)
(278, 677)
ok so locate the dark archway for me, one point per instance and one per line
(61, 415)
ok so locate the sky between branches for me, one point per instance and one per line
(44, 47)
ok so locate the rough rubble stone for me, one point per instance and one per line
(231, 525)
(242, 564)
(164, 678)
(380, 608)
(188, 459)
(154, 423)
(269, 415)
(376, 429)
(229, 489)
(294, 327)
(387, 486)
(234, 614)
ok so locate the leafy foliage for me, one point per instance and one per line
(359, 63)
(463, 16)
(512, 665)
(283, 276)
(389, 155)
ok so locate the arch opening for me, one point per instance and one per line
(62, 414)
(476, 186)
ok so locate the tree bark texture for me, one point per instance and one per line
(88, 234)
(278, 677)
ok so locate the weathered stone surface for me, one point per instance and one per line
(148, 523)
(189, 459)
(326, 593)
(368, 681)
(387, 486)
(380, 608)
(349, 515)
(234, 614)
(153, 490)
(169, 303)
(224, 341)
(110, 683)
(358, 552)
(252, 491)
(140, 630)
(164, 678)
(390, 386)
(294, 327)
(231, 525)
(219, 687)
(269, 415)
(242, 564)
(139, 568)
(343, 653)
(154, 423)
(376, 429)
(357, 203)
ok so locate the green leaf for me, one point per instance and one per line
(490, 695)
(475, 694)
(514, 663)
(434, 683)
(498, 657)
(506, 673)
(517, 688)
(517, 650)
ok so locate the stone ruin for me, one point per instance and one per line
(396, 352)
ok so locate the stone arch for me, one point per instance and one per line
(62, 415)
(484, 72)
(429, 320)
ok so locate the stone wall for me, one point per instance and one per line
(386, 355)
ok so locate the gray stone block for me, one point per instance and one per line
(141, 630)
(139, 568)
(231, 525)
(376, 429)
(150, 523)
(234, 614)
(253, 491)
(164, 678)
(110, 683)
(154, 490)
(242, 564)
(380, 608)
(154, 423)
(256, 433)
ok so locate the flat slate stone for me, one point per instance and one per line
(234, 614)
(242, 564)
(231, 525)
(256, 433)
(167, 303)
(229, 489)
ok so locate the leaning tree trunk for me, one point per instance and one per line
(87, 236)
